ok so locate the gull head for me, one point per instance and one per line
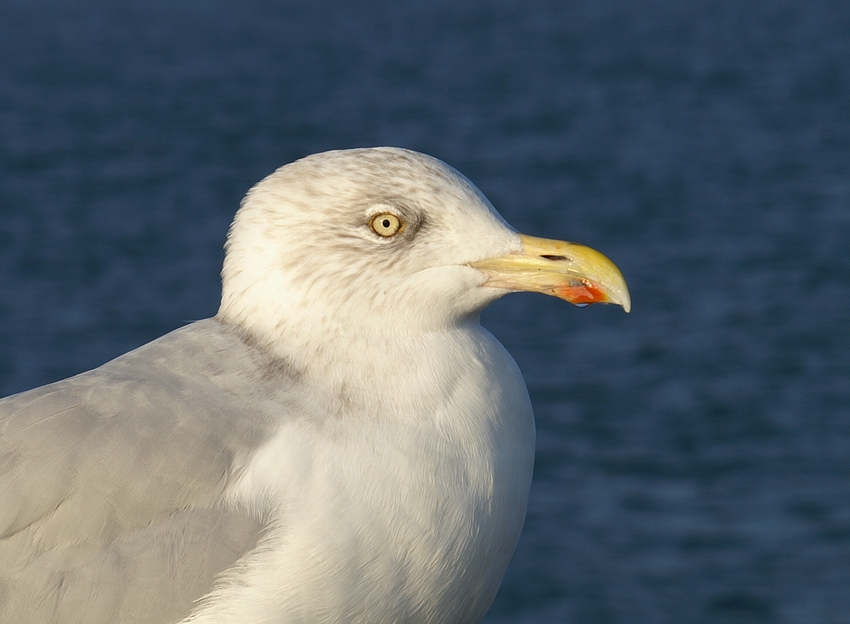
(387, 240)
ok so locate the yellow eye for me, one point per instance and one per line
(386, 224)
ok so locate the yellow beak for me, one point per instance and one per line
(570, 271)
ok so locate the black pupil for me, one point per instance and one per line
(386, 223)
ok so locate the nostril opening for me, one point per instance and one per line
(548, 257)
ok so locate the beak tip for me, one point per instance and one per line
(624, 299)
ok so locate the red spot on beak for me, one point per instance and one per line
(583, 293)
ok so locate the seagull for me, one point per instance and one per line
(342, 442)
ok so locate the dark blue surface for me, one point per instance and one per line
(694, 456)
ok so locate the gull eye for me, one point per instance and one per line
(386, 224)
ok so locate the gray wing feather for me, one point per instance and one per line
(111, 481)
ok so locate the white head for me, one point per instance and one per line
(383, 246)
(360, 241)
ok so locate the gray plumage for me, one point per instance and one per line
(105, 514)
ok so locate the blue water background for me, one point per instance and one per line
(694, 456)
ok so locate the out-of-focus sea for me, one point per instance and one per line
(694, 456)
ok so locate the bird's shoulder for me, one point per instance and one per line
(153, 431)
(115, 478)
